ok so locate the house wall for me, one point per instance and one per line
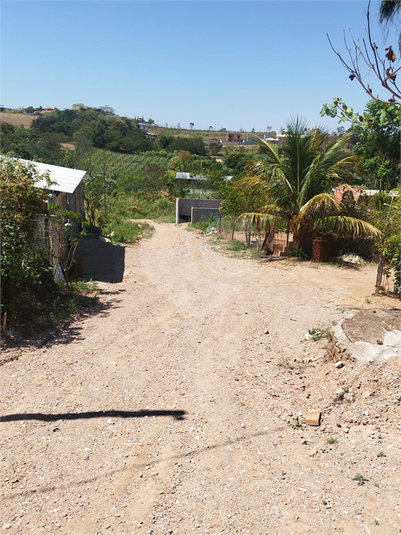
(72, 201)
(234, 136)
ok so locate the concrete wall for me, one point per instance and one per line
(202, 214)
(184, 207)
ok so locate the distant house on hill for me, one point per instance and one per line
(346, 191)
(270, 139)
(47, 110)
(249, 141)
(233, 137)
(142, 124)
(189, 176)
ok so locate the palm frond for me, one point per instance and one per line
(269, 150)
(346, 227)
(324, 168)
(321, 203)
(254, 185)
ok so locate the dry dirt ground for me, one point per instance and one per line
(17, 119)
(178, 409)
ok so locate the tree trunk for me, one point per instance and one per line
(288, 234)
(379, 275)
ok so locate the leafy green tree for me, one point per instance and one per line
(384, 211)
(237, 163)
(96, 187)
(214, 148)
(296, 185)
(237, 202)
(380, 148)
(98, 127)
(18, 140)
(26, 274)
(194, 145)
(155, 180)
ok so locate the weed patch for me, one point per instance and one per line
(296, 365)
(341, 396)
(360, 479)
(317, 334)
(236, 246)
(63, 305)
(297, 424)
(122, 230)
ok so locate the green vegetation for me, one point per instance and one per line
(297, 424)
(25, 270)
(341, 396)
(122, 230)
(332, 440)
(95, 127)
(30, 144)
(296, 185)
(31, 299)
(384, 211)
(236, 245)
(381, 454)
(318, 334)
(380, 147)
(299, 253)
(360, 479)
(206, 225)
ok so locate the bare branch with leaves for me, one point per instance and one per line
(381, 65)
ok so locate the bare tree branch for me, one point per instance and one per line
(382, 68)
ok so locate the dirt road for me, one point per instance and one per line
(177, 409)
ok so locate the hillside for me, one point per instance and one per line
(22, 119)
(17, 119)
(207, 135)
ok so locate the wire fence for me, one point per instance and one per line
(240, 230)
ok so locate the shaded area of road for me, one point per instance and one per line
(102, 261)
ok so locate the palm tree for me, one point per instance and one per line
(296, 185)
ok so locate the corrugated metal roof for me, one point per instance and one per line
(64, 179)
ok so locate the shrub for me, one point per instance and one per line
(26, 274)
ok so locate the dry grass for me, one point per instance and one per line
(17, 119)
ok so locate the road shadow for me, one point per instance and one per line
(102, 261)
(33, 334)
(177, 415)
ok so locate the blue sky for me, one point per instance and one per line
(232, 64)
